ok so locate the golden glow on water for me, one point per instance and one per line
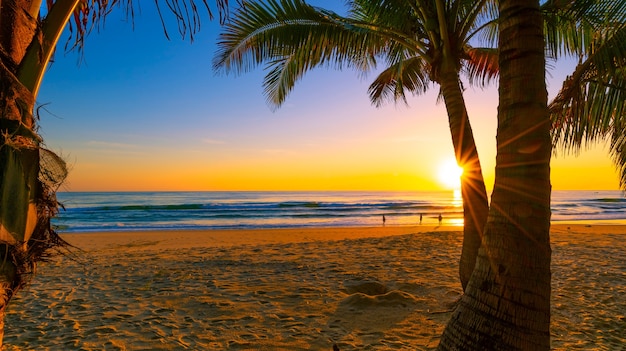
(458, 200)
(456, 222)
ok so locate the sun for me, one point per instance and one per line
(450, 174)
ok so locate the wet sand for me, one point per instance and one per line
(387, 288)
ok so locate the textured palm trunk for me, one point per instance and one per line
(473, 191)
(19, 187)
(19, 151)
(506, 305)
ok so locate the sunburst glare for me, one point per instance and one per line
(450, 174)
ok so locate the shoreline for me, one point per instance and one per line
(193, 238)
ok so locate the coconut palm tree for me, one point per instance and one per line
(421, 42)
(590, 107)
(29, 174)
(506, 305)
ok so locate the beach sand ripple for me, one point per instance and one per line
(376, 293)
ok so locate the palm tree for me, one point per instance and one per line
(29, 174)
(506, 305)
(422, 42)
(590, 106)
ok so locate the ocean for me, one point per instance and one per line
(124, 211)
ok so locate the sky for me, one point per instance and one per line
(139, 112)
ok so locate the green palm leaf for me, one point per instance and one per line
(590, 106)
(294, 37)
(407, 75)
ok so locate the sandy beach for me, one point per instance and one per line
(389, 288)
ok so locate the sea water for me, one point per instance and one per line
(122, 211)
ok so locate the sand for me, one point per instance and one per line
(387, 288)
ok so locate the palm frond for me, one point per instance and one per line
(588, 108)
(481, 66)
(608, 52)
(484, 30)
(591, 101)
(473, 16)
(292, 37)
(187, 14)
(591, 105)
(397, 21)
(289, 64)
(258, 32)
(572, 25)
(281, 78)
(410, 74)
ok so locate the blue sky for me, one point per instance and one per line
(143, 113)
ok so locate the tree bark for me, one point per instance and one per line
(20, 188)
(473, 191)
(506, 305)
(17, 31)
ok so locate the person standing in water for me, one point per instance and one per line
(440, 219)
(384, 219)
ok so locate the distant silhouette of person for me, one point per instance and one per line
(440, 219)
(421, 218)
(384, 220)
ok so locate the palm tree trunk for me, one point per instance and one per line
(20, 187)
(473, 191)
(506, 305)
